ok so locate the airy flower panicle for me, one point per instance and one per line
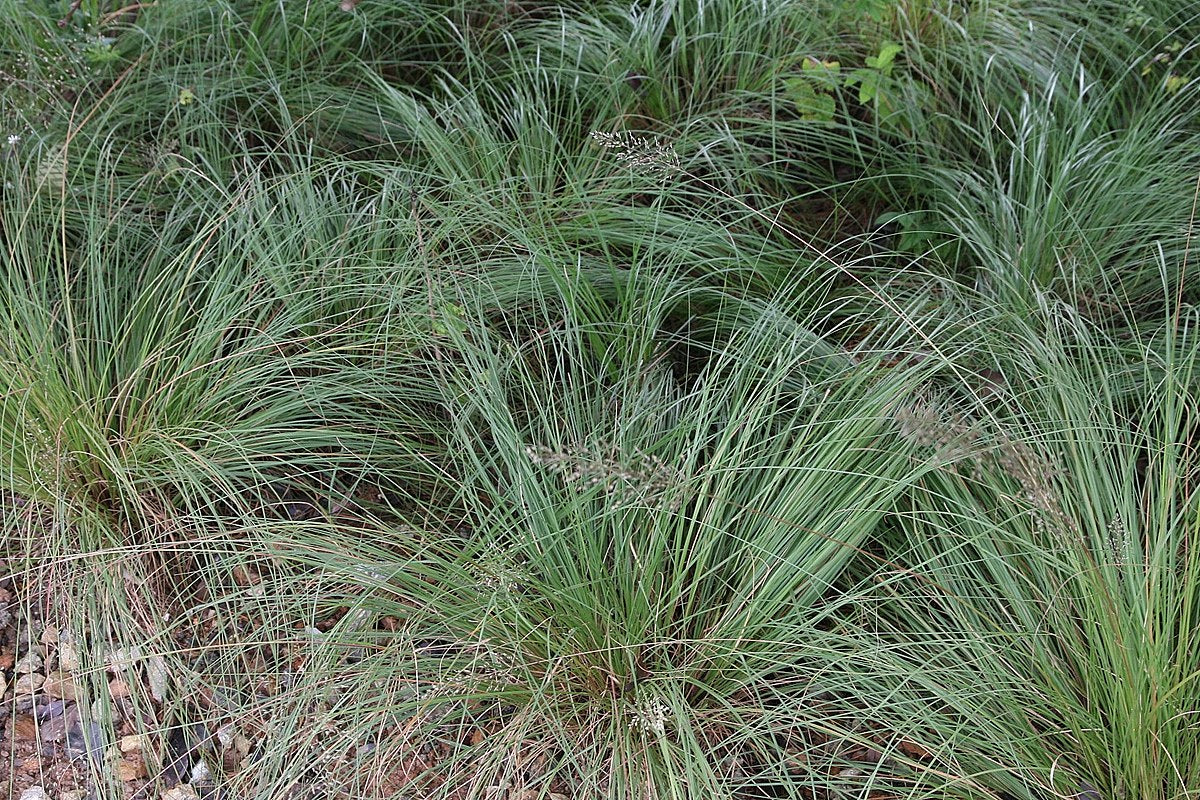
(928, 425)
(498, 572)
(52, 170)
(1034, 473)
(650, 715)
(641, 153)
(1119, 540)
(584, 468)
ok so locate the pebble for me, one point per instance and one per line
(183, 791)
(130, 770)
(53, 729)
(68, 652)
(200, 772)
(132, 742)
(156, 677)
(59, 685)
(28, 683)
(122, 658)
(30, 662)
(34, 793)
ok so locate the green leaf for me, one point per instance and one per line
(814, 64)
(867, 81)
(887, 56)
(813, 104)
(824, 74)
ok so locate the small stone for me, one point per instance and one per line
(183, 791)
(130, 743)
(49, 635)
(225, 734)
(53, 730)
(28, 683)
(200, 772)
(130, 769)
(156, 677)
(122, 658)
(30, 662)
(68, 652)
(118, 688)
(74, 794)
(59, 685)
(34, 793)
(85, 738)
(24, 727)
(3, 685)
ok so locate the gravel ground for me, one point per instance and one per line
(50, 744)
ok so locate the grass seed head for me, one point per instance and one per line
(644, 154)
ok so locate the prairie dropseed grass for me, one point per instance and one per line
(512, 400)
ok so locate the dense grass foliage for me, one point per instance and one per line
(683, 399)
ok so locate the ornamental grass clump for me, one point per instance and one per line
(656, 610)
(507, 401)
(1057, 581)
